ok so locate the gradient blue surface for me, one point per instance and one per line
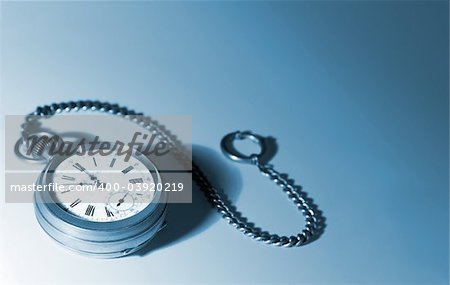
(356, 95)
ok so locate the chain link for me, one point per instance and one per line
(313, 219)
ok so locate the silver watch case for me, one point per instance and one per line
(99, 239)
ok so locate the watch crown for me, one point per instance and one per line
(38, 147)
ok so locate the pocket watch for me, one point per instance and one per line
(118, 223)
(115, 222)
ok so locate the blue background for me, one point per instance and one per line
(356, 94)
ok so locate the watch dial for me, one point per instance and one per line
(103, 188)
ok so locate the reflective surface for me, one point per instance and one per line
(355, 93)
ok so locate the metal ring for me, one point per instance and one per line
(232, 153)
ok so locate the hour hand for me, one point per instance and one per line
(70, 189)
(99, 184)
(93, 177)
(81, 183)
(83, 169)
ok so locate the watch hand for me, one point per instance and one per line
(70, 189)
(93, 177)
(99, 184)
(81, 183)
(122, 199)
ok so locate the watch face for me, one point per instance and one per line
(104, 188)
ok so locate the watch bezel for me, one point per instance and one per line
(58, 212)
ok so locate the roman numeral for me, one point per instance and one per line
(136, 180)
(128, 169)
(76, 202)
(90, 210)
(79, 167)
(112, 162)
(65, 177)
(95, 162)
(109, 213)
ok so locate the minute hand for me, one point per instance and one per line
(93, 177)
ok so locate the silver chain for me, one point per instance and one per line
(314, 222)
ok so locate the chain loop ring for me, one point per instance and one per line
(232, 153)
